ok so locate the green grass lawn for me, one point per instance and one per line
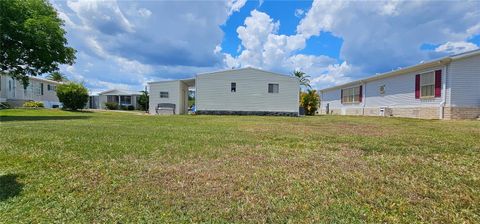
(58, 166)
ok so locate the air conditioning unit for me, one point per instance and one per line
(385, 112)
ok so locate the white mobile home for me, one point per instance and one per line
(447, 88)
(14, 93)
(123, 98)
(236, 91)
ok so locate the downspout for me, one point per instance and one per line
(364, 95)
(444, 90)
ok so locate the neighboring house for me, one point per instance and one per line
(13, 92)
(447, 88)
(121, 97)
(236, 91)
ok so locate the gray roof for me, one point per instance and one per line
(119, 92)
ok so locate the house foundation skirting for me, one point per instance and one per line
(462, 112)
(411, 112)
(16, 102)
(259, 113)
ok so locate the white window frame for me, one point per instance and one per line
(381, 90)
(351, 95)
(124, 102)
(51, 87)
(273, 88)
(164, 96)
(427, 87)
(37, 89)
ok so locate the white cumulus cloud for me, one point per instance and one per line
(456, 47)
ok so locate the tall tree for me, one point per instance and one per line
(57, 76)
(303, 78)
(32, 39)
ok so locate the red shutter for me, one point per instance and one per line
(438, 83)
(360, 95)
(417, 87)
(341, 95)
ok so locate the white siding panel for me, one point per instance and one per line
(18, 92)
(465, 82)
(213, 91)
(173, 89)
(399, 92)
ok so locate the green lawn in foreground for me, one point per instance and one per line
(123, 167)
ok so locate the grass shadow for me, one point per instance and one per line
(79, 111)
(9, 187)
(40, 118)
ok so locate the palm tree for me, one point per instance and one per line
(303, 78)
(57, 76)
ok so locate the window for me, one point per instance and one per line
(38, 88)
(28, 92)
(163, 94)
(381, 90)
(112, 99)
(51, 87)
(273, 88)
(233, 87)
(125, 100)
(427, 84)
(9, 85)
(351, 95)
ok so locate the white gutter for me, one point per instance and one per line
(364, 96)
(444, 90)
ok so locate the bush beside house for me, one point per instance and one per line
(33, 104)
(111, 106)
(72, 95)
(309, 101)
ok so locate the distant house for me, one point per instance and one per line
(236, 91)
(447, 88)
(13, 92)
(121, 97)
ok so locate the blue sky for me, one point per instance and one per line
(125, 44)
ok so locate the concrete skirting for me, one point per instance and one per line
(412, 112)
(259, 113)
(16, 102)
(462, 112)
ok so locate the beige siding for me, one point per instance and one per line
(173, 88)
(13, 90)
(3, 88)
(464, 76)
(213, 91)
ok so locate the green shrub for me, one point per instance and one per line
(131, 107)
(111, 105)
(143, 101)
(123, 107)
(33, 104)
(309, 101)
(73, 95)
